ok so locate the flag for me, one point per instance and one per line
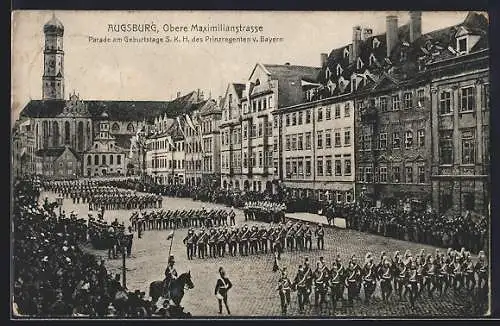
(170, 235)
(170, 141)
(189, 122)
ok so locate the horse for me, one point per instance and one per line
(177, 287)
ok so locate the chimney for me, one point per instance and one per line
(324, 59)
(367, 33)
(201, 96)
(415, 25)
(356, 42)
(220, 100)
(287, 63)
(391, 33)
(178, 94)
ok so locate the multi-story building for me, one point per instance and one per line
(105, 157)
(269, 87)
(230, 137)
(460, 89)
(23, 150)
(209, 119)
(58, 162)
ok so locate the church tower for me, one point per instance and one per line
(53, 60)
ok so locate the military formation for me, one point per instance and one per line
(111, 236)
(399, 277)
(176, 219)
(265, 211)
(223, 241)
(99, 195)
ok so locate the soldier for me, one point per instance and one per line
(320, 277)
(309, 280)
(470, 279)
(189, 241)
(202, 240)
(253, 240)
(350, 282)
(299, 238)
(244, 238)
(369, 277)
(290, 236)
(233, 241)
(211, 243)
(170, 275)
(221, 242)
(385, 274)
(320, 234)
(308, 237)
(232, 216)
(283, 288)
(412, 282)
(263, 238)
(300, 284)
(334, 283)
(481, 269)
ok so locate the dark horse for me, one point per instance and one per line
(177, 287)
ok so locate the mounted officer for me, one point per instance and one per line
(170, 275)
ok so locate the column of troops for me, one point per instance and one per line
(401, 276)
(213, 242)
(264, 211)
(98, 195)
(176, 219)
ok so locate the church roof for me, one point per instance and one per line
(55, 152)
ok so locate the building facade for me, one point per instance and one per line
(23, 150)
(105, 157)
(210, 118)
(58, 163)
(461, 115)
(231, 138)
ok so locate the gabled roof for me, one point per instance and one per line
(239, 88)
(208, 107)
(55, 152)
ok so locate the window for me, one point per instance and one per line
(96, 159)
(287, 142)
(253, 132)
(368, 174)
(328, 163)
(396, 174)
(408, 139)
(338, 167)
(252, 159)
(421, 174)
(337, 138)
(245, 160)
(383, 104)
(462, 45)
(383, 174)
(486, 94)
(294, 119)
(408, 100)
(260, 159)
(328, 138)
(308, 140)
(308, 166)
(396, 102)
(287, 120)
(361, 174)
(288, 167)
(294, 142)
(468, 147)
(111, 159)
(446, 147)
(319, 163)
(319, 139)
(275, 143)
(300, 142)
(269, 129)
(328, 113)
(421, 138)
(367, 142)
(347, 137)
(467, 99)
(89, 160)
(396, 141)
(347, 166)
(276, 125)
(421, 97)
(103, 159)
(320, 114)
(337, 111)
(347, 109)
(299, 118)
(445, 102)
(308, 116)
(383, 140)
(409, 174)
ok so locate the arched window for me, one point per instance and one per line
(66, 133)
(96, 159)
(103, 159)
(45, 132)
(130, 127)
(89, 160)
(116, 127)
(55, 134)
(80, 137)
(111, 159)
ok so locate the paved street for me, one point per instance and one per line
(254, 283)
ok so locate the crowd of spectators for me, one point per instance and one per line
(53, 277)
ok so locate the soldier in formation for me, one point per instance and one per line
(264, 211)
(415, 276)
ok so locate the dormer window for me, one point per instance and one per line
(372, 59)
(376, 43)
(346, 53)
(328, 73)
(462, 45)
(339, 70)
(257, 82)
(359, 64)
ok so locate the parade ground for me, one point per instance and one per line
(254, 283)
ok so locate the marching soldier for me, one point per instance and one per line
(202, 243)
(320, 234)
(369, 277)
(189, 241)
(253, 240)
(243, 239)
(221, 243)
(320, 287)
(232, 216)
(308, 237)
(300, 284)
(350, 282)
(309, 280)
(233, 242)
(385, 273)
(412, 282)
(284, 286)
(290, 236)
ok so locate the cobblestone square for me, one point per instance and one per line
(254, 283)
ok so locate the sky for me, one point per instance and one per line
(150, 71)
